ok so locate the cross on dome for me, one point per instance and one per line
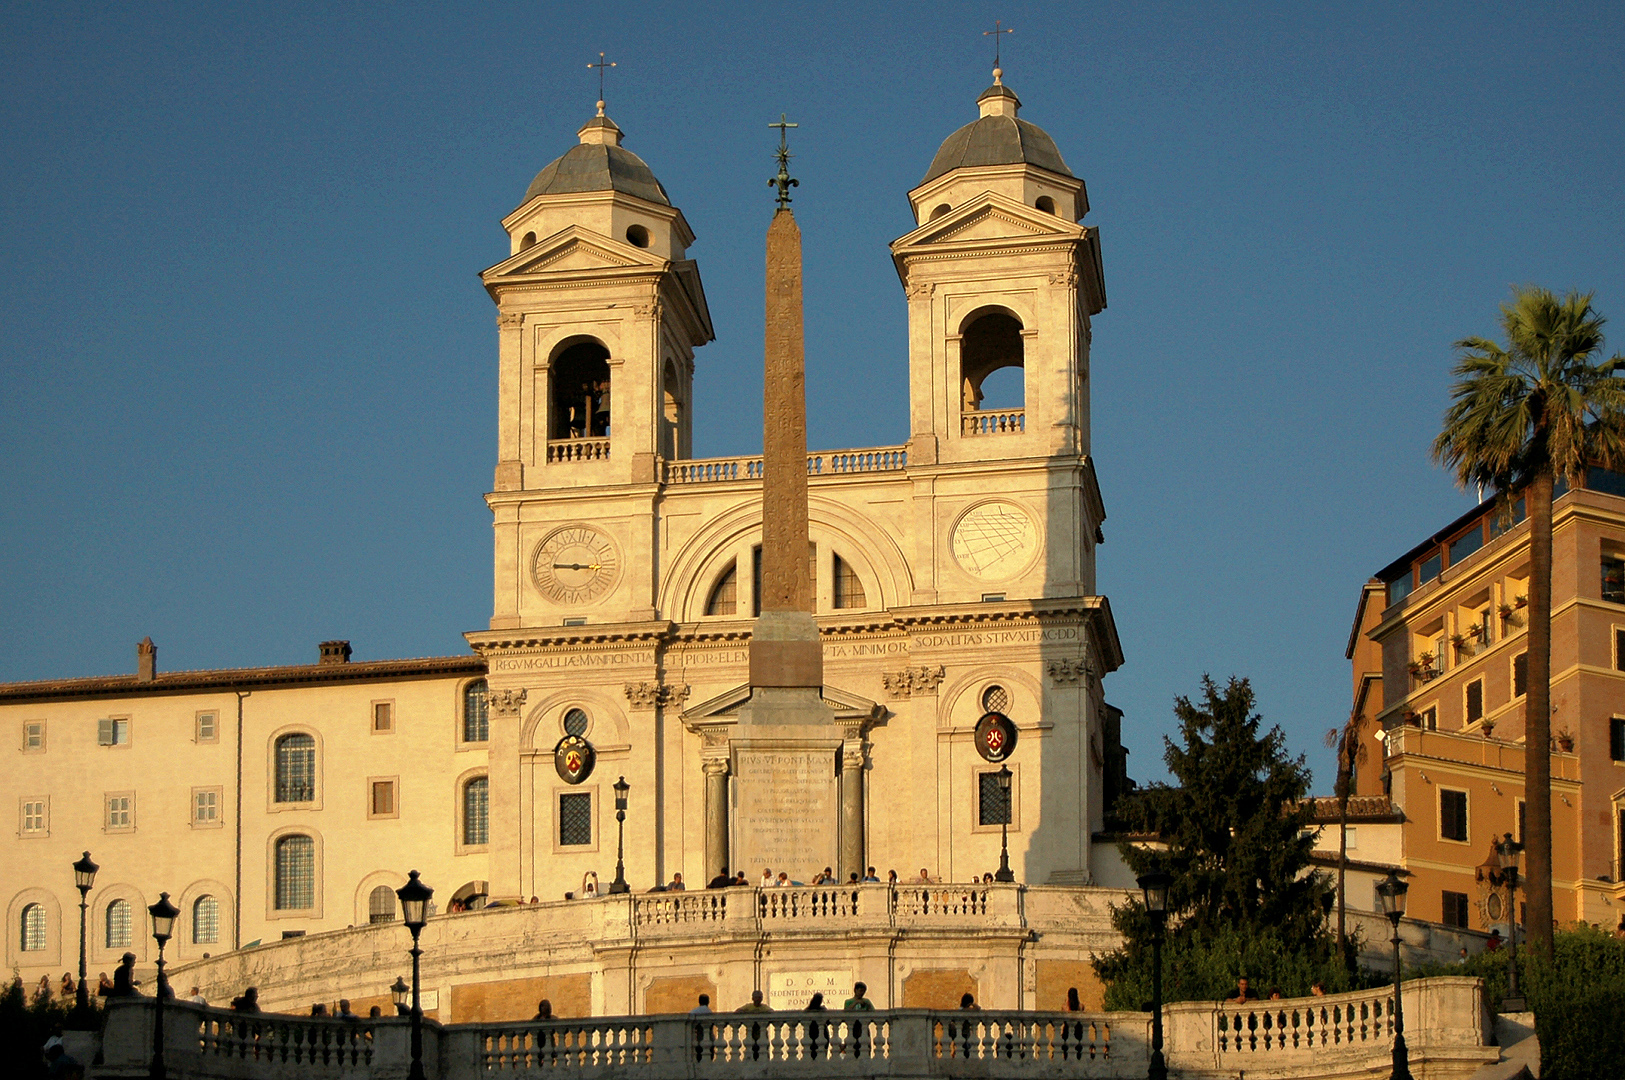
(997, 34)
(601, 65)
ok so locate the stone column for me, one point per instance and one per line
(851, 809)
(716, 817)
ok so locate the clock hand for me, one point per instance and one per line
(576, 566)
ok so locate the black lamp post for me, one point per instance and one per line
(163, 925)
(1391, 892)
(619, 885)
(1507, 851)
(1004, 873)
(84, 876)
(399, 993)
(414, 913)
(1155, 886)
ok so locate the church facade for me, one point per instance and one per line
(953, 577)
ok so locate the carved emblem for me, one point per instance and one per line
(646, 695)
(995, 736)
(573, 759)
(911, 681)
(507, 702)
(1071, 671)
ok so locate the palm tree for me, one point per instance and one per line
(1539, 410)
(1350, 752)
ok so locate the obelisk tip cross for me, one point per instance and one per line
(784, 182)
(601, 65)
(997, 34)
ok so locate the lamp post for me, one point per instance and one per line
(1391, 892)
(1004, 873)
(84, 876)
(414, 913)
(1155, 886)
(163, 925)
(1507, 851)
(619, 885)
(399, 993)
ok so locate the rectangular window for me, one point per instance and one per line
(1431, 568)
(120, 816)
(1455, 909)
(477, 811)
(1475, 700)
(1616, 739)
(1613, 580)
(1619, 649)
(1467, 543)
(1520, 675)
(34, 737)
(35, 822)
(1429, 718)
(295, 873)
(1353, 838)
(1485, 623)
(383, 716)
(575, 819)
(1499, 526)
(1400, 587)
(1452, 815)
(206, 806)
(382, 802)
(208, 727)
(993, 802)
(113, 731)
(1523, 816)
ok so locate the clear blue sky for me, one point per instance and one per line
(249, 373)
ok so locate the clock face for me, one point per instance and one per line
(575, 565)
(995, 541)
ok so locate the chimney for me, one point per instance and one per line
(335, 652)
(146, 660)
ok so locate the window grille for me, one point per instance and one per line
(33, 928)
(993, 803)
(575, 722)
(725, 596)
(296, 768)
(476, 810)
(575, 819)
(848, 589)
(476, 712)
(206, 921)
(118, 924)
(381, 905)
(995, 699)
(295, 873)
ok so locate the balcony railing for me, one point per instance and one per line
(561, 450)
(823, 463)
(753, 911)
(994, 422)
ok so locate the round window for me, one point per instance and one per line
(637, 236)
(995, 699)
(575, 722)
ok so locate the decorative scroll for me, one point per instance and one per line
(647, 695)
(911, 681)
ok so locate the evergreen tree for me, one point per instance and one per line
(1234, 835)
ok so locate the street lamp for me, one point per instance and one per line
(163, 926)
(1391, 892)
(1155, 886)
(1004, 873)
(1507, 851)
(84, 876)
(399, 993)
(414, 913)
(619, 885)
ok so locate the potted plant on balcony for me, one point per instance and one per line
(1422, 667)
(1488, 729)
(1508, 616)
(1564, 741)
(1462, 644)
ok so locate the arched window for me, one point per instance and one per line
(118, 924)
(205, 921)
(381, 905)
(941, 208)
(671, 444)
(296, 768)
(295, 873)
(848, 589)
(476, 712)
(1045, 203)
(724, 599)
(476, 809)
(528, 242)
(992, 344)
(579, 378)
(33, 928)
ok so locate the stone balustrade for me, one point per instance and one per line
(1322, 1038)
(822, 463)
(563, 450)
(846, 907)
(993, 422)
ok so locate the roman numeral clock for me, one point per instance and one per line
(576, 564)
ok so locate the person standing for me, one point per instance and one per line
(859, 1001)
(124, 980)
(703, 1007)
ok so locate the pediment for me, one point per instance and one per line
(989, 216)
(574, 250)
(845, 707)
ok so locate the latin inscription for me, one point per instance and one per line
(791, 990)
(996, 637)
(561, 661)
(785, 811)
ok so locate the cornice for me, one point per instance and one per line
(544, 637)
(229, 679)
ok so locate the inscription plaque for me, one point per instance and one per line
(789, 991)
(784, 811)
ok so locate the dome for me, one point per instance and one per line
(599, 163)
(997, 138)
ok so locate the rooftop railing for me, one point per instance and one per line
(822, 463)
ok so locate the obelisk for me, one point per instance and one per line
(785, 746)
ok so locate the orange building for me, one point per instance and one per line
(1438, 658)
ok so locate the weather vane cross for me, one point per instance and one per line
(601, 65)
(783, 181)
(997, 34)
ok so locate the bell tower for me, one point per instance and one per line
(599, 311)
(1002, 279)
